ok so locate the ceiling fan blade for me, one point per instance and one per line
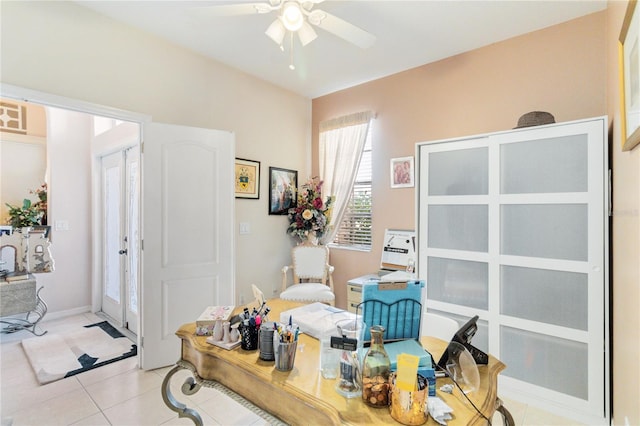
(239, 9)
(342, 29)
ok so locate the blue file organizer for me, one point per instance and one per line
(395, 306)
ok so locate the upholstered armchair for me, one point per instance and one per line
(312, 275)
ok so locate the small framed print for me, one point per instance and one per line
(402, 172)
(629, 60)
(247, 179)
(283, 190)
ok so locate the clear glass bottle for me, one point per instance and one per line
(376, 368)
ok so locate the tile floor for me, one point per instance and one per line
(122, 394)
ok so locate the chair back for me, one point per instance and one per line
(310, 262)
(439, 326)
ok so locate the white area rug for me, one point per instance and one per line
(56, 356)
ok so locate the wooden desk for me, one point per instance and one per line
(302, 396)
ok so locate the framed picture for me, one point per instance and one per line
(283, 190)
(402, 172)
(630, 78)
(6, 229)
(247, 179)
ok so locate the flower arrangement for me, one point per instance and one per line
(312, 216)
(29, 214)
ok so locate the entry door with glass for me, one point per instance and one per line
(120, 201)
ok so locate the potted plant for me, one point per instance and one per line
(27, 215)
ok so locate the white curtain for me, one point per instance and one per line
(341, 143)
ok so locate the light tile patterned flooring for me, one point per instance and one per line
(122, 394)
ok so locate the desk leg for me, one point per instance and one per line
(29, 323)
(507, 418)
(189, 387)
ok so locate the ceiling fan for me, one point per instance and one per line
(298, 16)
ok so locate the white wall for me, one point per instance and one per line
(76, 53)
(68, 288)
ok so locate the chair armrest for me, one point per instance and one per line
(285, 269)
(330, 270)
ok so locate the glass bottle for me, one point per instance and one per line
(376, 368)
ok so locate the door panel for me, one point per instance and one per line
(113, 212)
(133, 237)
(188, 253)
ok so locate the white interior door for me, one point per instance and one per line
(188, 240)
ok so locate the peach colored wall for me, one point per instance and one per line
(626, 245)
(560, 69)
(569, 70)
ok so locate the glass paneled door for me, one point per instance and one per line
(121, 200)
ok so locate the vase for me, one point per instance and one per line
(217, 331)
(226, 332)
(234, 334)
(311, 239)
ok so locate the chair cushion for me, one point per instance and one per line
(308, 292)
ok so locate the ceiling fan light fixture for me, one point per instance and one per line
(316, 17)
(276, 31)
(292, 16)
(306, 34)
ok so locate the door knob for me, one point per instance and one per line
(123, 251)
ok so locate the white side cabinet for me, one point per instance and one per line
(513, 227)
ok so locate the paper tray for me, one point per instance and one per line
(315, 318)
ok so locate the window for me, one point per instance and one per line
(355, 228)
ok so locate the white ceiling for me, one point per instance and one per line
(409, 34)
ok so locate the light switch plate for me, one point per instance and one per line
(245, 228)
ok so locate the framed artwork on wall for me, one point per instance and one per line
(283, 190)
(247, 178)
(402, 172)
(629, 68)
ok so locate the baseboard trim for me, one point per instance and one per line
(50, 316)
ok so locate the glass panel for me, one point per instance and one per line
(112, 233)
(553, 231)
(481, 338)
(460, 172)
(459, 227)
(458, 281)
(546, 361)
(554, 297)
(544, 165)
(133, 235)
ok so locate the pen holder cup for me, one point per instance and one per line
(248, 337)
(408, 407)
(285, 355)
(265, 343)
